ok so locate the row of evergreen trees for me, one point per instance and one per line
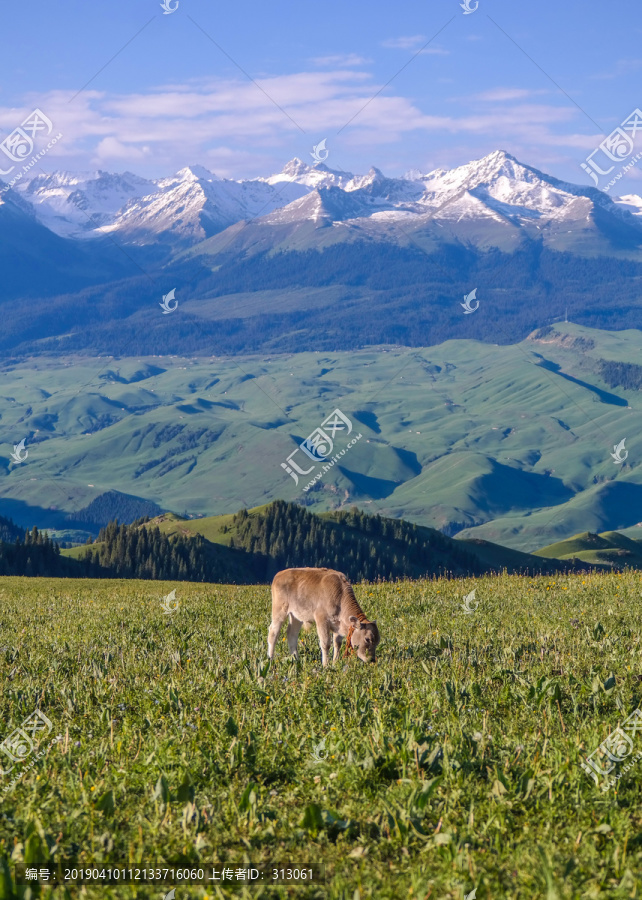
(365, 547)
(37, 554)
(283, 535)
(9, 531)
(620, 374)
(138, 551)
(112, 505)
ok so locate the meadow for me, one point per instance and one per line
(450, 765)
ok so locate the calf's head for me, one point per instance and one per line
(365, 638)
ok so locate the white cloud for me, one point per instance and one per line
(112, 149)
(412, 42)
(348, 60)
(231, 126)
(501, 94)
(622, 68)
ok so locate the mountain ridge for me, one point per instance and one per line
(194, 204)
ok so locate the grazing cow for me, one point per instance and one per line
(323, 596)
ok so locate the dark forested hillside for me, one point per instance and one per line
(140, 551)
(9, 531)
(621, 374)
(110, 506)
(278, 536)
(389, 295)
(364, 547)
(36, 554)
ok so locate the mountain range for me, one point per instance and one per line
(310, 258)
(493, 201)
(311, 290)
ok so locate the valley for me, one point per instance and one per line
(512, 444)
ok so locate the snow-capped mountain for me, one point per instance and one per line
(296, 171)
(493, 201)
(185, 208)
(78, 205)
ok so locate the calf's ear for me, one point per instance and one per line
(353, 621)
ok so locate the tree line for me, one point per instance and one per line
(620, 374)
(411, 299)
(140, 551)
(36, 554)
(365, 547)
(282, 535)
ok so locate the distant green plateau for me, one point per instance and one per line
(609, 549)
(510, 444)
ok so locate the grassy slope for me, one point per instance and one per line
(452, 764)
(464, 436)
(610, 548)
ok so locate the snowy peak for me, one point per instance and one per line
(196, 173)
(494, 194)
(75, 205)
(312, 177)
(295, 168)
(496, 168)
(381, 189)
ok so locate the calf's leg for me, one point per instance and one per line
(337, 640)
(294, 627)
(324, 637)
(278, 618)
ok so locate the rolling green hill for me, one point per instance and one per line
(509, 444)
(608, 549)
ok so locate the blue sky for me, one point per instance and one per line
(545, 81)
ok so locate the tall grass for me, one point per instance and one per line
(452, 764)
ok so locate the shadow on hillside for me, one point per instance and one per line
(604, 396)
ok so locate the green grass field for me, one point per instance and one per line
(452, 764)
